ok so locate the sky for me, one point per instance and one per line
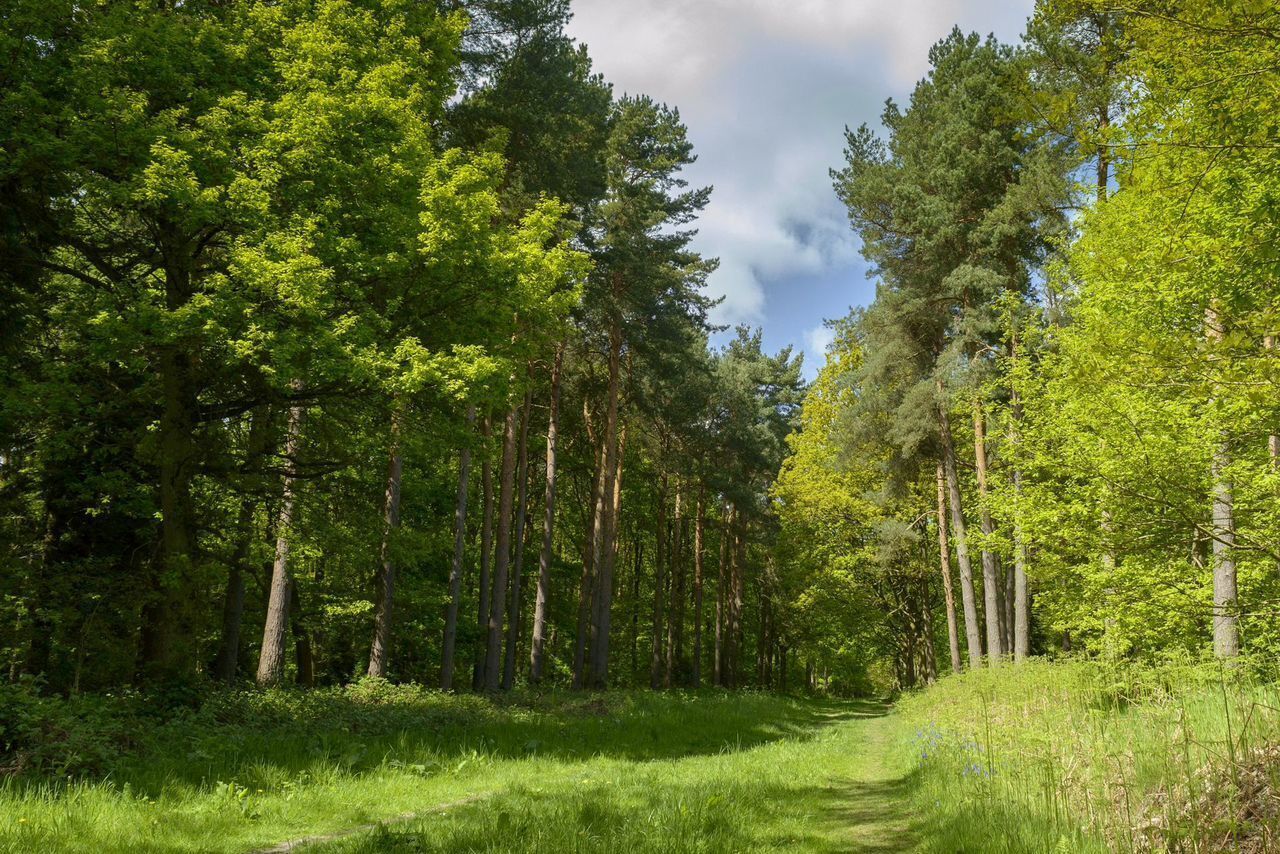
(766, 88)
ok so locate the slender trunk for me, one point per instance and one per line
(737, 570)
(1021, 589)
(992, 586)
(1226, 631)
(537, 648)
(659, 587)
(930, 660)
(606, 605)
(973, 637)
(459, 559)
(588, 576)
(604, 547)
(718, 664)
(637, 554)
(271, 657)
(501, 556)
(608, 551)
(674, 615)
(517, 574)
(486, 555)
(699, 526)
(944, 551)
(380, 649)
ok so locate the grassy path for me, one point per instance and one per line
(828, 785)
(618, 773)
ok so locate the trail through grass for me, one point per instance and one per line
(623, 772)
(830, 787)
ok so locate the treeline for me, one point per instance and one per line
(1055, 427)
(365, 337)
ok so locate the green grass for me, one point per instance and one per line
(629, 771)
(1065, 757)
(1089, 756)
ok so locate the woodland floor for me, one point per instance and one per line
(828, 785)
(412, 770)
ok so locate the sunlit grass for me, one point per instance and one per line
(1088, 756)
(567, 761)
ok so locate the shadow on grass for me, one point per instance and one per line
(436, 734)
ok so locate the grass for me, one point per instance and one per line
(1045, 757)
(1088, 756)
(631, 771)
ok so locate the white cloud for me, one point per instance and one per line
(816, 342)
(766, 88)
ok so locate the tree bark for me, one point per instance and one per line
(459, 558)
(674, 608)
(609, 545)
(501, 556)
(992, 584)
(944, 551)
(537, 648)
(271, 657)
(699, 527)
(973, 636)
(586, 586)
(517, 574)
(721, 589)
(486, 555)
(659, 587)
(380, 649)
(1226, 631)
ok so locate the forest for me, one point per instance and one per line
(376, 473)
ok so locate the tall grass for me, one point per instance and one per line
(1095, 756)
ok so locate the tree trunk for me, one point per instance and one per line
(1226, 631)
(486, 555)
(992, 584)
(944, 551)
(501, 556)
(586, 586)
(721, 589)
(737, 570)
(637, 555)
(675, 609)
(380, 649)
(929, 657)
(973, 637)
(517, 573)
(459, 559)
(604, 546)
(537, 648)
(1021, 589)
(271, 657)
(659, 587)
(699, 527)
